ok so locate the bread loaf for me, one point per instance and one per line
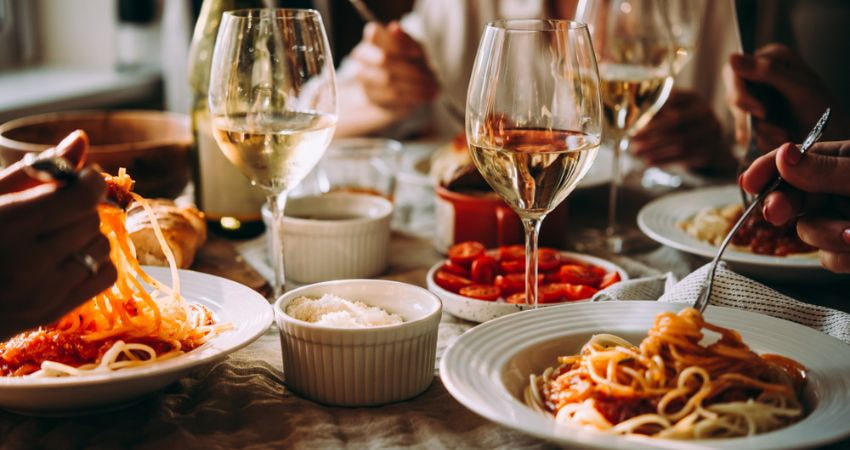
(183, 227)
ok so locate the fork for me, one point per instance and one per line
(705, 292)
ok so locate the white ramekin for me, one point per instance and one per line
(361, 366)
(319, 250)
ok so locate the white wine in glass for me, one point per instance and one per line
(534, 118)
(636, 52)
(272, 102)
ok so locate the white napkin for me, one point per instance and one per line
(734, 291)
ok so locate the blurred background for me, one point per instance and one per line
(58, 55)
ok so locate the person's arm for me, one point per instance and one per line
(384, 80)
(816, 190)
(47, 233)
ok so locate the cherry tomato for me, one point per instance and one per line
(466, 252)
(516, 299)
(575, 292)
(481, 292)
(551, 293)
(484, 270)
(513, 282)
(609, 279)
(575, 274)
(548, 260)
(512, 252)
(450, 281)
(513, 266)
(598, 271)
(456, 268)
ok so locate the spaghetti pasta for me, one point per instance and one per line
(672, 385)
(126, 325)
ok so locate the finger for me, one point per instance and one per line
(761, 172)
(783, 205)
(835, 262)
(815, 172)
(825, 233)
(764, 68)
(74, 272)
(73, 148)
(81, 293)
(392, 39)
(394, 69)
(48, 207)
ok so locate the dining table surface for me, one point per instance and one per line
(242, 400)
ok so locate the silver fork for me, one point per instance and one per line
(705, 293)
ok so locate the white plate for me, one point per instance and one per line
(660, 218)
(248, 312)
(482, 310)
(487, 368)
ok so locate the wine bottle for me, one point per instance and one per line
(229, 201)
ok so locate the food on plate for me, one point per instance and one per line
(123, 326)
(474, 272)
(337, 312)
(756, 234)
(452, 168)
(673, 385)
(183, 228)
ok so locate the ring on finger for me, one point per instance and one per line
(88, 261)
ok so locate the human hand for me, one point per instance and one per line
(816, 189)
(684, 131)
(792, 96)
(45, 231)
(393, 68)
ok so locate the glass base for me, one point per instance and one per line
(619, 242)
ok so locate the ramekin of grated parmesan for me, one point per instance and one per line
(358, 342)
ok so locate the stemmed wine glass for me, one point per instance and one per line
(636, 53)
(273, 102)
(534, 118)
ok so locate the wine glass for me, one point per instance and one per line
(534, 118)
(273, 102)
(684, 18)
(636, 53)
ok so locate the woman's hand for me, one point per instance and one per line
(393, 69)
(816, 188)
(50, 243)
(685, 131)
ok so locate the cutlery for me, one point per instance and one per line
(705, 292)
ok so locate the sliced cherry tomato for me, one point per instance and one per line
(551, 293)
(466, 252)
(512, 252)
(450, 281)
(609, 279)
(481, 292)
(575, 274)
(513, 266)
(516, 299)
(456, 268)
(598, 271)
(548, 260)
(575, 292)
(484, 270)
(513, 282)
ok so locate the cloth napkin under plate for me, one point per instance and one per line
(734, 291)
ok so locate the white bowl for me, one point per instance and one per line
(335, 236)
(361, 366)
(483, 310)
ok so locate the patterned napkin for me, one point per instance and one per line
(734, 291)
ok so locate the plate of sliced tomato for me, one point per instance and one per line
(480, 284)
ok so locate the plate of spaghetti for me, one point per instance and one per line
(654, 375)
(154, 325)
(696, 221)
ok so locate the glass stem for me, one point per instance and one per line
(532, 230)
(616, 180)
(277, 204)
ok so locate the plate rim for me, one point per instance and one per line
(178, 364)
(699, 248)
(601, 440)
